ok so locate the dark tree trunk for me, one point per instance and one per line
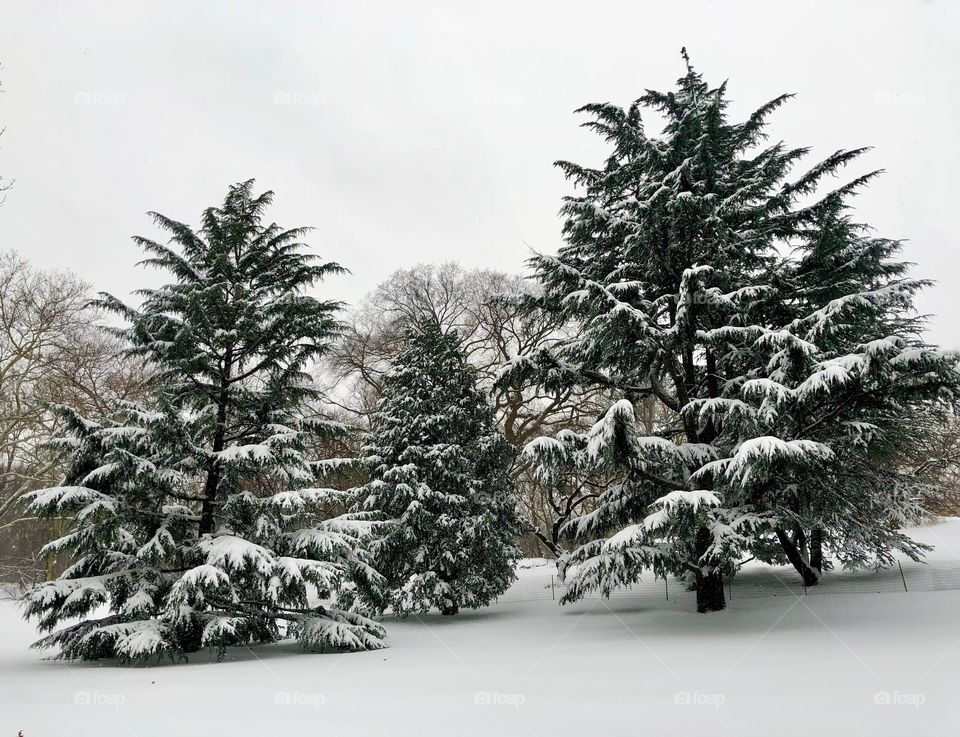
(212, 484)
(551, 545)
(209, 498)
(710, 596)
(816, 549)
(190, 635)
(448, 610)
(810, 576)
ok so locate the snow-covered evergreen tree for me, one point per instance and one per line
(195, 522)
(440, 477)
(849, 371)
(672, 269)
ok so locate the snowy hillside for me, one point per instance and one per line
(830, 663)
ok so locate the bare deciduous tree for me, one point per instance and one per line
(51, 352)
(933, 454)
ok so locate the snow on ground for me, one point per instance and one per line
(854, 664)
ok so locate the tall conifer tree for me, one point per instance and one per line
(440, 478)
(672, 268)
(194, 520)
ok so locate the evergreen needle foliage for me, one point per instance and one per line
(440, 477)
(784, 377)
(194, 521)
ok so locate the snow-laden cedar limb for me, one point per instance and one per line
(440, 481)
(785, 379)
(195, 520)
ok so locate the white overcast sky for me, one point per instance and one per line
(411, 132)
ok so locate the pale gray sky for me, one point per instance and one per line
(414, 132)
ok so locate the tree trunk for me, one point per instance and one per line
(209, 497)
(551, 545)
(212, 484)
(710, 596)
(448, 610)
(810, 576)
(816, 549)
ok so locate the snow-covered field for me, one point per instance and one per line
(855, 664)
